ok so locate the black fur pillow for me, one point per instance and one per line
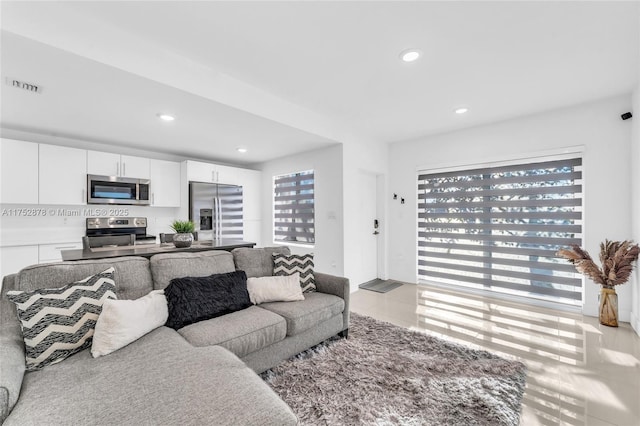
(193, 299)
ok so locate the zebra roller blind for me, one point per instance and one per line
(498, 228)
(293, 208)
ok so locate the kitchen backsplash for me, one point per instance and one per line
(42, 224)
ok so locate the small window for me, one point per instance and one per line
(293, 208)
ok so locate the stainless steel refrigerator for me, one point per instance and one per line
(216, 210)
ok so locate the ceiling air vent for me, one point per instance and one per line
(19, 84)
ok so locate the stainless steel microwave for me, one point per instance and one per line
(117, 190)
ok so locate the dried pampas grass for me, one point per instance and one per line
(616, 257)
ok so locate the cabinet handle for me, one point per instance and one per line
(213, 176)
(124, 165)
(84, 199)
(117, 168)
(217, 176)
(153, 198)
(65, 247)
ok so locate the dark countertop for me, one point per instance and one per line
(148, 250)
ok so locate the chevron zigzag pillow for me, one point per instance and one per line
(290, 264)
(59, 322)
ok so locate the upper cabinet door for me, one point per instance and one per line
(228, 175)
(200, 172)
(134, 167)
(213, 173)
(103, 163)
(108, 164)
(18, 172)
(165, 183)
(62, 175)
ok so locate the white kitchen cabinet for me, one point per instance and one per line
(165, 183)
(109, 164)
(18, 172)
(48, 253)
(14, 258)
(251, 194)
(200, 172)
(252, 231)
(103, 163)
(134, 167)
(62, 175)
(228, 175)
(212, 173)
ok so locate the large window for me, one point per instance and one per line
(293, 207)
(498, 228)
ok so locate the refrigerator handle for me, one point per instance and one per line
(219, 218)
(215, 218)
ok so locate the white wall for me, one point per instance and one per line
(370, 158)
(327, 166)
(607, 175)
(635, 179)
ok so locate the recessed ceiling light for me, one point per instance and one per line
(461, 110)
(410, 55)
(166, 117)
(242, 150)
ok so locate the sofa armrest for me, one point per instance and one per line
(338, 286)
(12, 362)
(12, 366)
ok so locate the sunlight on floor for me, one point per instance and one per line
(580, 372)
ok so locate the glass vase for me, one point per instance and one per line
(608, 307)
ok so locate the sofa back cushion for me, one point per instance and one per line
(167, 266)
(257, 262)
(132, 276)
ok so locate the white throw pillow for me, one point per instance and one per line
(126, 321)
(275, 289)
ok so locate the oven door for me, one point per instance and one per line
(114, 190)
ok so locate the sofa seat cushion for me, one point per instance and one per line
(159, 379)
(301, 316)
(241, 332)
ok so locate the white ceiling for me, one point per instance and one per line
(283, 77)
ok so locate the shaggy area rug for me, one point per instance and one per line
(388, 375)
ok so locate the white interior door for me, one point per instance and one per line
(368, 240)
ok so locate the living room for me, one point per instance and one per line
(322, 86)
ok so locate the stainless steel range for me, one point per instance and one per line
(117, 231)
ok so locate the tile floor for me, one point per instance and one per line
(580, 372)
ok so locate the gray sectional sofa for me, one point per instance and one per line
(205, 373)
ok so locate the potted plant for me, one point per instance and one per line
(184, 233)
(617, 259)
